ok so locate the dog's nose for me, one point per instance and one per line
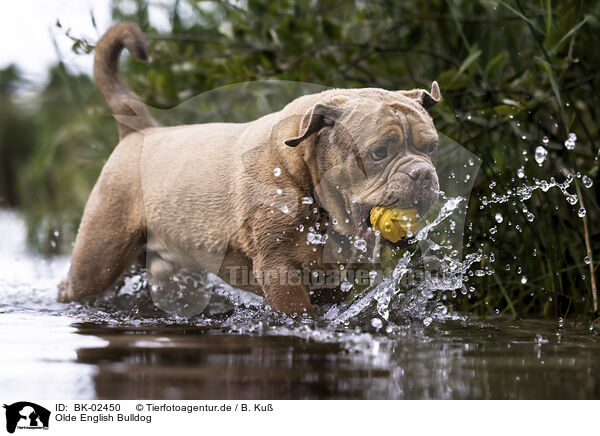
(421, 174)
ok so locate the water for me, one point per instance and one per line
(382, 345)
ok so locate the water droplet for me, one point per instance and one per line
(570, 142)
(545, 140)
(587, 182)
(523, 280)
(307, 200)
(427, 321)
(279, 191)
(376, 322)
(493, 230)
(540, 155)
(581, 212)
(277, 172)
(530, 216)
(499, 218)
(345, 286)
(587, 260)
(521, 173)
(361, 244)
(285, 209)
(316, 238)
(545, 185)
(373, 276)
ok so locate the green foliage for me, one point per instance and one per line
(53, 148)
(16, 136)
(511, 73)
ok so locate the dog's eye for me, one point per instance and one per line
(379, 153)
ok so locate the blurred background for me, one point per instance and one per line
(519, 79)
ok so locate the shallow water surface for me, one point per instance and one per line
(119, 346)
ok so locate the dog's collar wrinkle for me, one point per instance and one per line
(382, 180)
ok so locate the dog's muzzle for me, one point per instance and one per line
(425, 186)
(416, 186)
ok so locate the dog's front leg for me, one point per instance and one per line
(282, 285)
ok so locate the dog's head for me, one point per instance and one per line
(370, 147)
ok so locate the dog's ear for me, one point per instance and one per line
(427, 99)
(319, 116)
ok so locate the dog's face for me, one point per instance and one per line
(372, 148)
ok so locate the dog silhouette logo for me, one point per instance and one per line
(26, 415)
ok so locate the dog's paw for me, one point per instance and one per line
(63, 292)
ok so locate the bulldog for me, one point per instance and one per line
(232, 198)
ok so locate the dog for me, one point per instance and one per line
(237, 197)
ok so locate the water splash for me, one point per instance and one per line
(408, 299)
(525, 191)
(361, 324)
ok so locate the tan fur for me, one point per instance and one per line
(205, 195)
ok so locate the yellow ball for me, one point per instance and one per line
(393, 224)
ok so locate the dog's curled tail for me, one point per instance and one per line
(129, 110)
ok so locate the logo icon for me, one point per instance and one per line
(26, 415)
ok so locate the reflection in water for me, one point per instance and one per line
(186, 363)
(502, 360)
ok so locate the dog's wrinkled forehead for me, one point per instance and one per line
(364, 119)
(358, 115)
(422, 130)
